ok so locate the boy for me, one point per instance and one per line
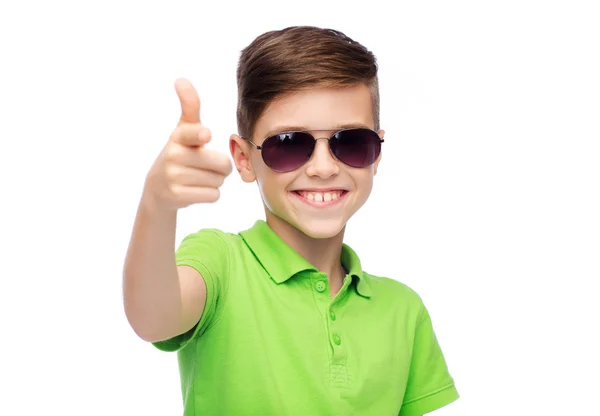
(281, 319)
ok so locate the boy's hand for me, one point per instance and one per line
(186, 172)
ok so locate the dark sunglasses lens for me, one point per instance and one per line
(358, 148)
(287, 151)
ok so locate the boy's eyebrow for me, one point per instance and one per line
(280, 129)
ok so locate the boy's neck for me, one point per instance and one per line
(323, 253)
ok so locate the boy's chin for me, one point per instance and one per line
(322, 228)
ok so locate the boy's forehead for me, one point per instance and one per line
(315, 109)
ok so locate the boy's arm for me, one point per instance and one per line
(161, 299)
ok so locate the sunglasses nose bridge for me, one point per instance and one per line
(322, 163)
(327, 145)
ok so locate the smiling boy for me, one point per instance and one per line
(281, 319)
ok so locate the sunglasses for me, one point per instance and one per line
(285, 152)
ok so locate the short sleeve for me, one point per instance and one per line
(430, 385)
(206, 251)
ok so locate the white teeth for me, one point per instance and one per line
(321, 196)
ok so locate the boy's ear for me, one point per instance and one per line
(381, 134)
(240, 152)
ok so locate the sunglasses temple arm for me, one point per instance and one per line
(252, 143)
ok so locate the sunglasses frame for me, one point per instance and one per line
(260, 147)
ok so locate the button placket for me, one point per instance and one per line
(338, 358)
(319, 286)
(340, 376)
(335, 336)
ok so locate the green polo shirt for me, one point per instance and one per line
(272, 341)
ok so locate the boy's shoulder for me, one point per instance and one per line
(393, 288)
(259, 234)
(216, 235)
(392, 284)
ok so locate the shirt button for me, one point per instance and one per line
(320, 286)
(332, 315)
(337, 339)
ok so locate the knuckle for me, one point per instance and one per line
(172, 153)
(204, 132)
(225, 163)
(176, 134)
(172, 173)
(214, 194)
(173, 190)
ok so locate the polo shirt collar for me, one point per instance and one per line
(282, 262)
(351, 263)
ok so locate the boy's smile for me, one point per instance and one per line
(319, 197)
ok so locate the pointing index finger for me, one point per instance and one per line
(190, 101)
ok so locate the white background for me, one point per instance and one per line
(486, 203)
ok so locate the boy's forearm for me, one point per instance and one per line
(151, 287)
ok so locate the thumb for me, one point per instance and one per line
(190, 101)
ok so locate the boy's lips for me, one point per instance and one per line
(320, 197)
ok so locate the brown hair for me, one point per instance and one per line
(295, 59)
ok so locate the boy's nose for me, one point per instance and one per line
(322, 163)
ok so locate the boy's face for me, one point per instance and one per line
(286, 196)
